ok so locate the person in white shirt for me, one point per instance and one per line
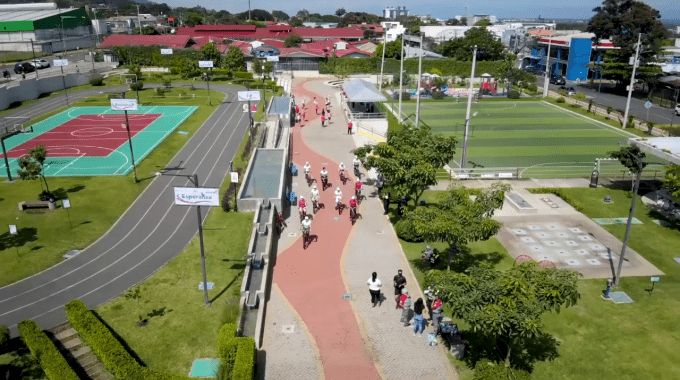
(324, 177)
(357, 163)
(308, 168)
(374, 286)
(341, 170)
(315, 194)
(338, 197)
(306, 225)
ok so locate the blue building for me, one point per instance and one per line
(570, 55)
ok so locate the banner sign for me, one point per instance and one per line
(166, 51)
(244, 96)
(272, 58)
(60, 62)
(171, 19)
(124, 104)
(234, 177)
(208, 64)
(197, 196)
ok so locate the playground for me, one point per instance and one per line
(533, 138)
(93, 141)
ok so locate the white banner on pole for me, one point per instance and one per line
(207, 64)
(197, 196)
(272, 58)
(60, 62)
(124, 104)
(166, 51)
(234, 177)
(244, 96)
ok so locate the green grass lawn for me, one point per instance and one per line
(522, 134)
(187, 329)
(46, 236)
(599, 339)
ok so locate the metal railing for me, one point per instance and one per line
(652, 171)
(368, 115)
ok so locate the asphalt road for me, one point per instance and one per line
(606, 98)
(150, 233)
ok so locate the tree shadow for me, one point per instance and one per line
(671, 223)
(22, 364)
(460, 262)
(120, 339)
(24, 235)
(59, 193)
(76, 189)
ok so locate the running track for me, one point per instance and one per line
(150, 233)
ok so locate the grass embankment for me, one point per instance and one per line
(97, 202)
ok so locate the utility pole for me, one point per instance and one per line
(632, 84)
(382, 64)
(469, 107)
(132, 155)
(546, 83)
(33, 50)
(248, 10)
(206, 300)
(420, 71)
(139, 21)
(617, 280)
(401, 77)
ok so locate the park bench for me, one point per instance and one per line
(36, 204)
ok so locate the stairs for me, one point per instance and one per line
(78, 354)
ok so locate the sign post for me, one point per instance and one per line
(66, 204)
(167, 52)
(648, 105)
(14, 232)
(247, 96)
(195, 196)
(654, 281)
(61, 63)
(207, 64)
(125, 105)
(234, 179)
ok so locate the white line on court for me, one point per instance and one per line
(70, 163)
(591, 121)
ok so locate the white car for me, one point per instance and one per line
(41, 63)
(677, 109)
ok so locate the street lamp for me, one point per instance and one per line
(630, 88)
(469, 106)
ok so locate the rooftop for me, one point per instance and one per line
(169, 41)
(6, 16)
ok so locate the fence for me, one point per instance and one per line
(613, 171)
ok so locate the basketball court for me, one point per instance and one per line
(93, 141)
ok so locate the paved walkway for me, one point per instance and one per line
(352, 339)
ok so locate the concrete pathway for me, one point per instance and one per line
(353, 339)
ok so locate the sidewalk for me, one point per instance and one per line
(352, 339)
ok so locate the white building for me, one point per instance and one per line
(392, 13)
(393, 29)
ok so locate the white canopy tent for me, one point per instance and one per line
(361, 91)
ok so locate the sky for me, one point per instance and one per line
(443, 9)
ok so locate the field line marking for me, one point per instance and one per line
(591, 120)
(69, 164)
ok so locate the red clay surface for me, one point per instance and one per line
(311, 278)
(86, 136)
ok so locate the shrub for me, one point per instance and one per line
(137, 86)
(609, 110)
(4, 336)
(97, 81)
(532, 87)
(590, 105)
(405, 231)
(51, 361)
(562, 92)
(167, 82)
(438, 95)
(243, 75)
(560, 99)
(160, 91)
(513, 94)
(650, 127)
(405, 96)
(236, 353)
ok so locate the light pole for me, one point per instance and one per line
(382, 63)
(420, 71)
(138, 20)
(630, 88)
(132, 155)
(401, 77)
(546, 83)
(467, 113)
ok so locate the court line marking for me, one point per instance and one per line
(69, 164)
(591, 121)
(136, 224)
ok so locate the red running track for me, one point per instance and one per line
(311, 279)
(86, 136)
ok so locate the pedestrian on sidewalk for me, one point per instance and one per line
(399, 285)
(405, 302)
(418, 320)
(329, 117)
(323, 120)
(374, 286)
(437, 308)
(386, 202)
(349, 127)
(323, 112)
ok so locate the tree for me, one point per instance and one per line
(452, 22)
(463, 21)
(621, 21)
(672, 181)
(292, 40)
(483, 22)
(210, 52)
(4, 337)
(461, 48)
(193, 19)
(234, 59)
(302, 14)
(280, 15)
(186, 67)
(148, 30)
(409, 159)
(630, 157)
(257, 67)
(340, 12)
(506, 305)
(295, 22)
(393, 50)
(457, 219)
(32, 167)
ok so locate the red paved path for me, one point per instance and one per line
(86, 135)
(311, 279)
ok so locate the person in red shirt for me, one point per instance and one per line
(357, 188)
(353, 205)
(349, 128)
(323, 120)
(302, 206)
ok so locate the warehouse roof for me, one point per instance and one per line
(170, 41)
(6, 16)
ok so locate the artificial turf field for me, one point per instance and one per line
(535, 136)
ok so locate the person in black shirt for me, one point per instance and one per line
(399, 284)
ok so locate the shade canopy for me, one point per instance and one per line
(359, 90)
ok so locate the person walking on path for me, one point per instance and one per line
(374, 286)
(405, 302)
(399, 285)
(323, 120)
(418, 320)
(329, 117)
(437, 308)
(349, 127)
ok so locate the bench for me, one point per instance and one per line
(36, 204)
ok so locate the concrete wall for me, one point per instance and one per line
(30, 89)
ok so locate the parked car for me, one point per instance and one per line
(570, 90)
(23, 67)
(41, 63)
(677, 109)
(557, 79)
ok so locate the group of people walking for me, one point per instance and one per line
(403, 301)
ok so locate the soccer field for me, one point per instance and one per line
(521, 134)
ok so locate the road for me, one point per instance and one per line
(73, 67)
(606, 98)
(150, 233)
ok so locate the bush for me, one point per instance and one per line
(237, 354)
(513, 94)
(137, 86)
(97, 81)
(160, 91)
(405, 231)
(438, 95)
(532, 87)
(560, 100)
(488, 370)
(167, 82)
(243, 75)
(4, 336)
(51, 361)
(405, 96)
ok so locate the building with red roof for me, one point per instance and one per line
(275, 32)
(166, 40)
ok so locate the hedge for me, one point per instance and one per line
(243, 75)
(107, 348)
(371, 65)
(560, 193)
(51, 360)
(4, 336)
(237, 354)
